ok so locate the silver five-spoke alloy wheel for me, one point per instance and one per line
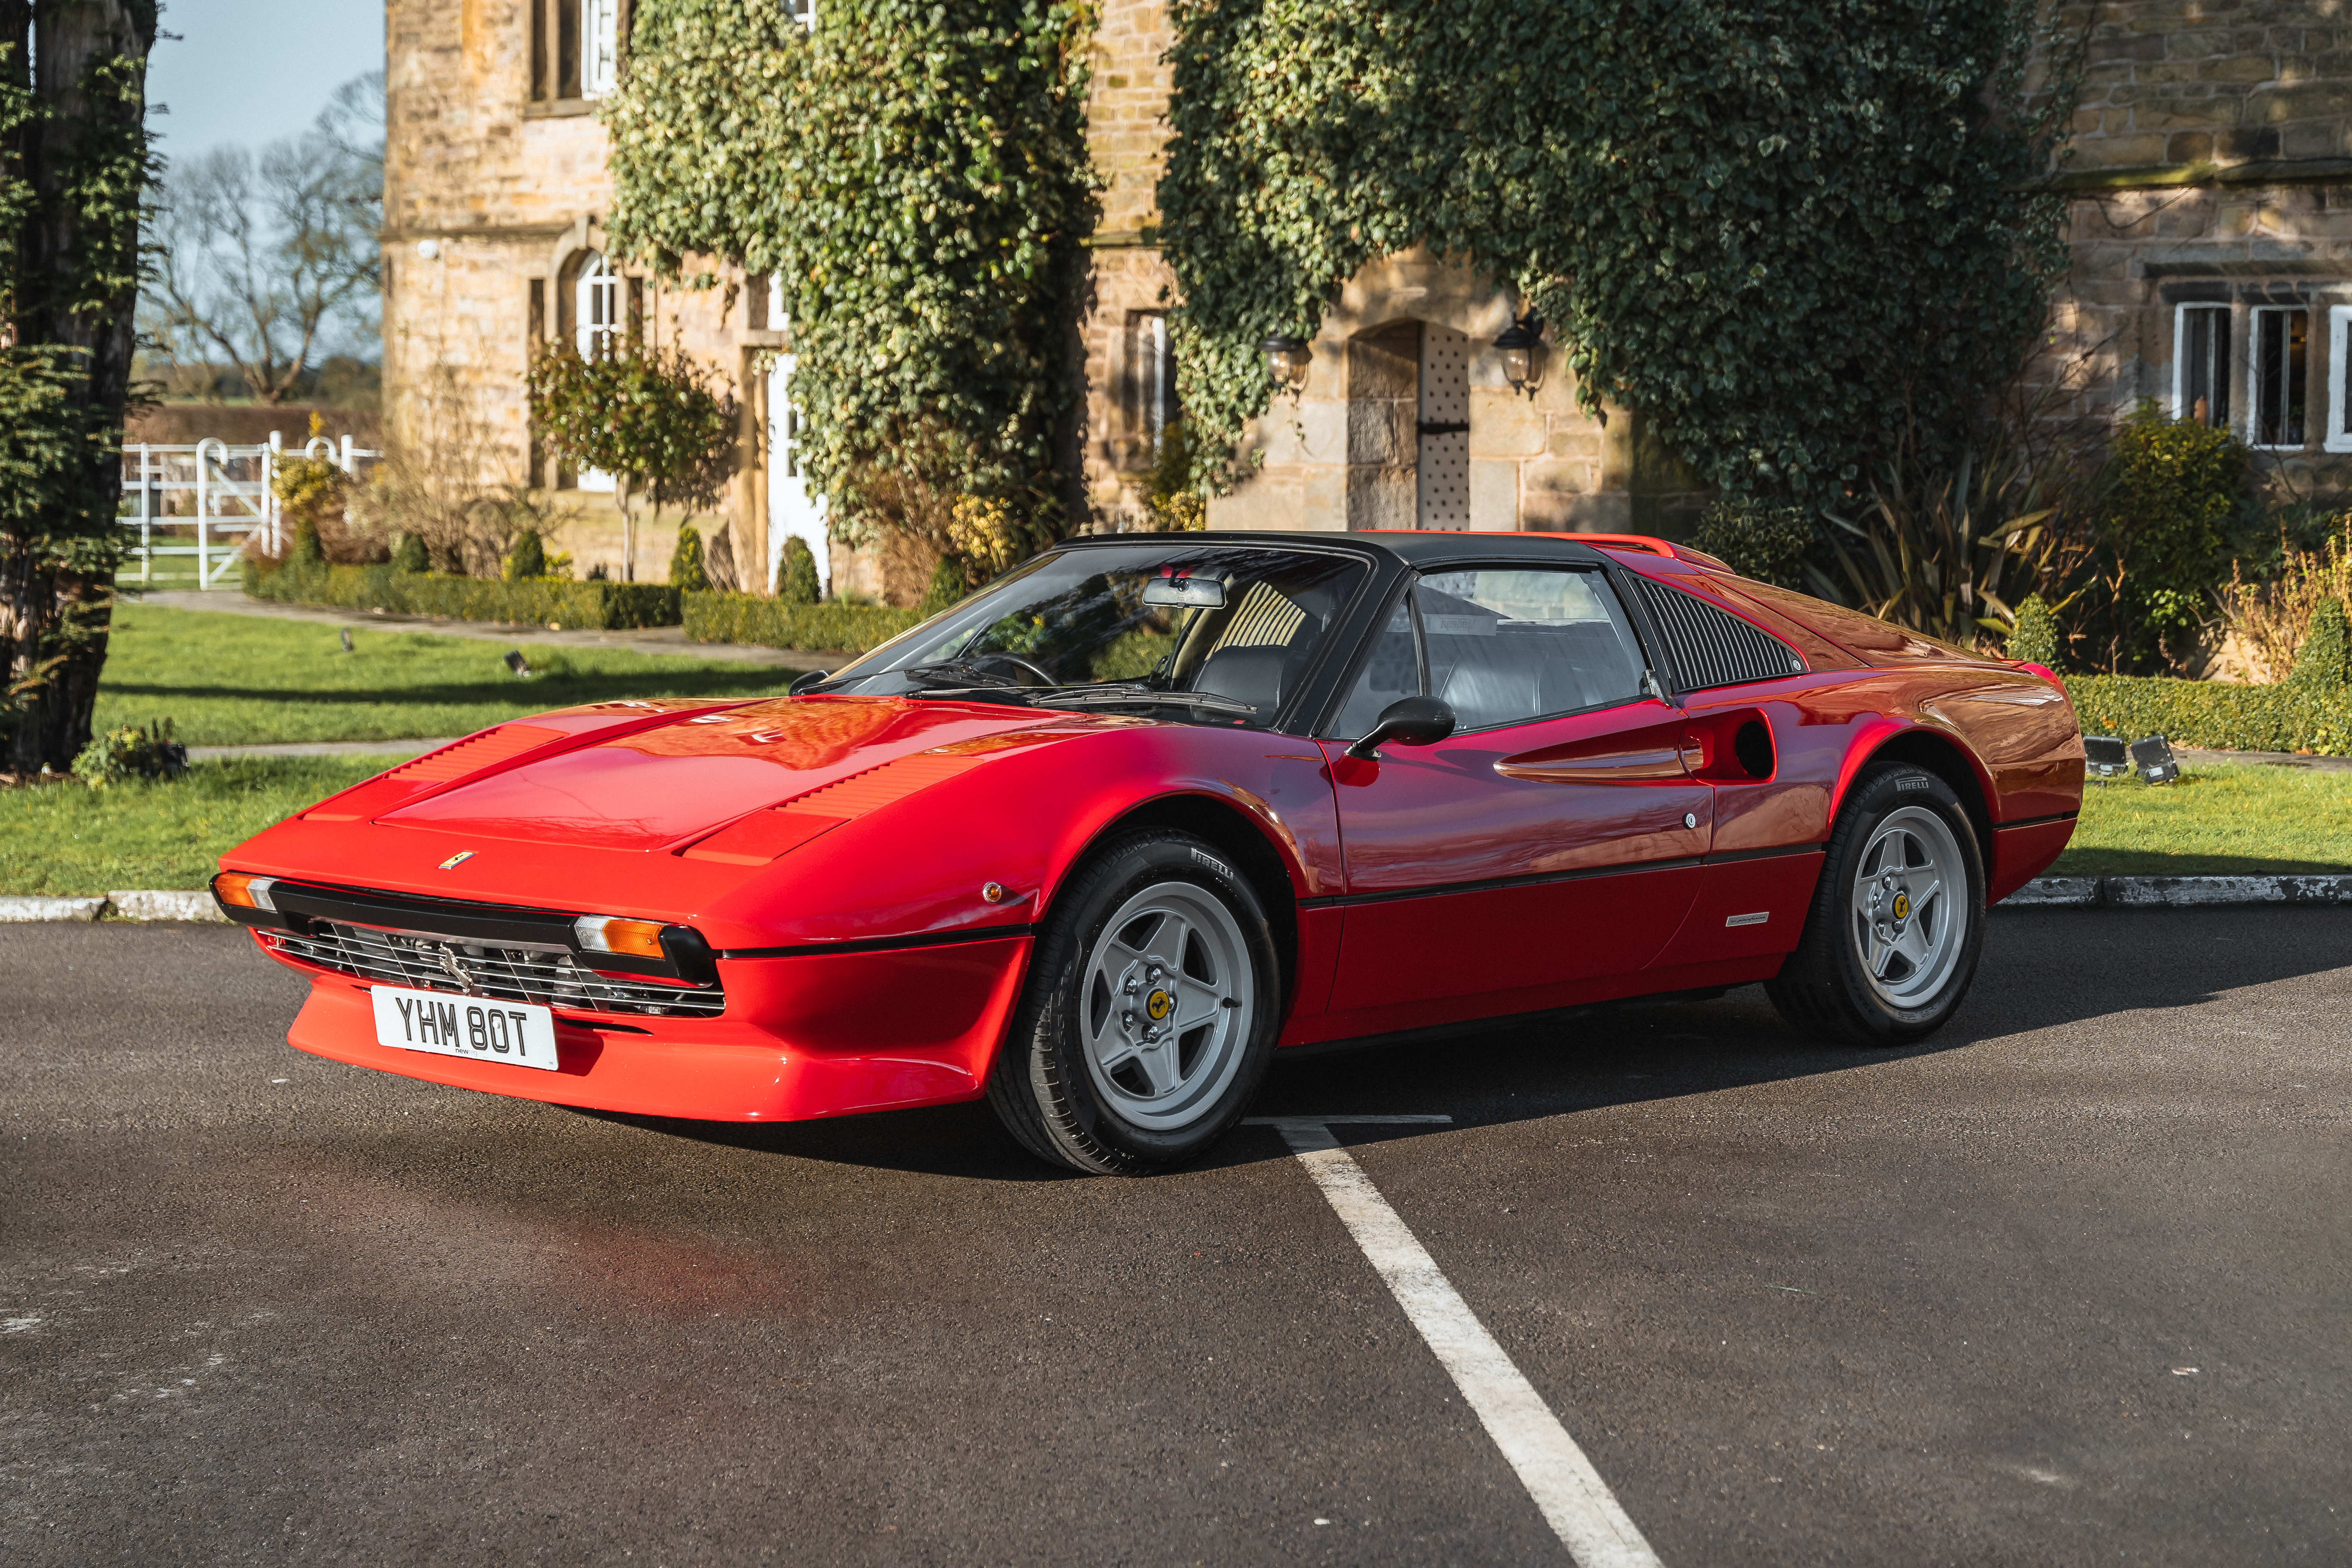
(1165, 1008)
(1908, 926)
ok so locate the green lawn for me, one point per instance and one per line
(235, 680)
(2216, 819)
(66, 840)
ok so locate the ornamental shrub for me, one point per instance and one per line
(1758, 540)
(948, 586)
(409, 555)
(772, 623)
(527, 559)
(2171, 489)
(916, 176)
(654, 418)
(801, 585)
(132, 752)
(592, 606)
(2217, 714)
(685, 569)
(1783, 231)
(2034, 639)
(2325, 662)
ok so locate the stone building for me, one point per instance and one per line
(2212, 219)
(2211, 225)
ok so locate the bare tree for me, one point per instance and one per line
(264, 262)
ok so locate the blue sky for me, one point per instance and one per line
(253, 70)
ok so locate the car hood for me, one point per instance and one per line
(655, 788)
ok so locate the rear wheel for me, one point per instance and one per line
(1150, 1013)
(1891, 942)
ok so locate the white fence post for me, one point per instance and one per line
(203, 509)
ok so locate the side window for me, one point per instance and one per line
(1502, 647)
(2200, 364)
(2275, 372)
(1508, 646)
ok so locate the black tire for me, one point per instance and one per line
(1053, 1092)
(1825, 987)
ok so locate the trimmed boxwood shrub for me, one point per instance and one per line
(539, 601)
(2209, 713)
(749, 618)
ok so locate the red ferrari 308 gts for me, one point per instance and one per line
(1100, 840)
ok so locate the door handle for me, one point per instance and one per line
(1441, 427)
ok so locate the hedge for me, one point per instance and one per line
(539, 601)
(749, 618)
(2212, 714)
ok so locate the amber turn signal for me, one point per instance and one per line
(245, 890)
(611, 933)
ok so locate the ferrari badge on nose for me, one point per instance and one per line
(459, 859)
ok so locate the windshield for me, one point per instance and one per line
(1218, 633)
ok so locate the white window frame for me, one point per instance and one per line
(599, 46)
(593, 332)
(2339, 319)
(2183, 400)
(2253, 368)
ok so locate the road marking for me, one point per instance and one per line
(1575, 1501)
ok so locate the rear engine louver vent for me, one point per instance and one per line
(1711, 647)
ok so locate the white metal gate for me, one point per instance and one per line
(207, 503)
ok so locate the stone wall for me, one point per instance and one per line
(486, 193)
(2212, 166)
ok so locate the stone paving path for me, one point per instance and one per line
(649, 639)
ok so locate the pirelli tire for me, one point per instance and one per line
(1896, 925)
(1151, 1008)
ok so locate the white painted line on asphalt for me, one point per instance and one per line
(1575, 1501)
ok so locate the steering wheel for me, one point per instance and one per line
(1044, 677)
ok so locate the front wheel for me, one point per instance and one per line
(1150, 1013)
(1892, 939)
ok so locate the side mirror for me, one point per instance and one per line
(803, 682)
(1409, 721)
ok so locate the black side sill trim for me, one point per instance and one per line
(1492, 884)
(2037, 821)
(883, 944)
(1730, 856)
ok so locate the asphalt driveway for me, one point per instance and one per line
(2071, 1284)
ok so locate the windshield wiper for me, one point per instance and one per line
(1111, 696)
(961, 669)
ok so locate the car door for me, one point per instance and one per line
(1553, 839)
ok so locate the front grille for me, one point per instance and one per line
(546, 976)
(1712, 647)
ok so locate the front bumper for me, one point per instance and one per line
(804, 1036)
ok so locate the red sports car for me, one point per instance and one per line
(1104, 838)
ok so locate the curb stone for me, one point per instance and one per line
(140, 904)
(2178, 892)
(151, 905)
(16, 908)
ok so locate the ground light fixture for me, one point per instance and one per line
(1286, 364)
(2105, 756)
(1522, 348)
(2153, 759)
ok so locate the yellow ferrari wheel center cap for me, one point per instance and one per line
(1902, 906)
(1159, 1004)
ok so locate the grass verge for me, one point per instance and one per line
(65, 840)
(241, 680)
(2222, 819)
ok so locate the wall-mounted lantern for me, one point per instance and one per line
(1522, 348)
(1286, 364)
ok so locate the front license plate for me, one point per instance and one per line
(467, 1026)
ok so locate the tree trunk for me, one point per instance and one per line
(628, 531)
(74, 283)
